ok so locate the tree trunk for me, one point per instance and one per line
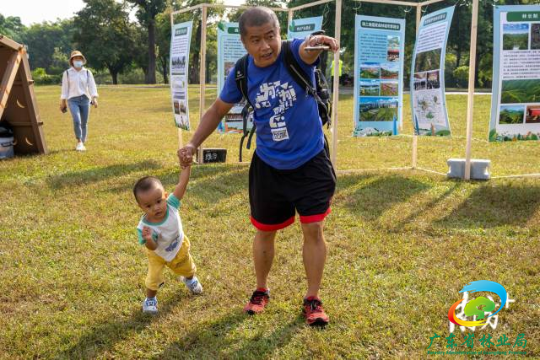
(164, 70)
(458, 50)
(151, 73)
(195, 66)
(114, 74)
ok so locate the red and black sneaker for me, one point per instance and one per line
(258, 301)
(314, 312)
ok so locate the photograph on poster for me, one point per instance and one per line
(420, 81)
(389, 88)
(428, 60)
(532, 114)
(535, 36)
(520, 91)
(369, 87)
(393, 48)
(511, 114)
(370, 70)
(180, 107)
(229, 66)
(433, 81)
(389, 71)
(516, 36)
(378, 109)
(179, 64)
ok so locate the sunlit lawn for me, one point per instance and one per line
(402, 243)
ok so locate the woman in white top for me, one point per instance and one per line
(78, 92)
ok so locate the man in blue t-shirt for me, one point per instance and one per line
(290, 171)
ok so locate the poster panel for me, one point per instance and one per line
(378, 72)
(428, 100)
(301, 28)
(230, 49)
(179, 65)
(515, 105)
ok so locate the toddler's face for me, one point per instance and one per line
(154, 203)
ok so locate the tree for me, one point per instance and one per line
(12, 27)
(146, 14)
(42, 40)
(195, 48)
(163, 40)
(105, 35)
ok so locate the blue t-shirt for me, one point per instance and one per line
(288, 125)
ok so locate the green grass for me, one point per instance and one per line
(402, 244)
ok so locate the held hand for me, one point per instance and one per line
(63, 106)
(94, 102)
(318, 40)
(185, 155)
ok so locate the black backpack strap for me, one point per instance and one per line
(240, 78)
(298, 74)
(295, 70)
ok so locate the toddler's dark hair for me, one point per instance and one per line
(144, 184)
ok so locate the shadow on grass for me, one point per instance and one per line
(212, 189)
(208, 183)
(76, 178)
(374, 198)
(495, 205)
(213, 340)
(426, 208)
(104, 336)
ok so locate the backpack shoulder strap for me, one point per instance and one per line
(295, 70)
(240, 77)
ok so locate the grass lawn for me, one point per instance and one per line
(401, 244)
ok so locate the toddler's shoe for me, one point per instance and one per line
(193, 285)
(149, 306)
(80, 147)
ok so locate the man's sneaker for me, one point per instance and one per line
(258, 301)
(149, 305)
(314, 312)
(80, 147)
(193, 285)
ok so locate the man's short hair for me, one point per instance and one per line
(256, 16)
(144, 184)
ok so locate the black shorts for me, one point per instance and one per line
(275, 195)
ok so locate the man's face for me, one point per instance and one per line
(263, 43)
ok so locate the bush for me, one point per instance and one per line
(461, 75)
(449, 67)
(41, 77)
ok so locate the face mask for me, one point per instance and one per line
(78, 64)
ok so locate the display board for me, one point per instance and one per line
(301, 28)
(515, 107)
(428, 100)
(378, 73)
(229, 50)
(179, 68)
